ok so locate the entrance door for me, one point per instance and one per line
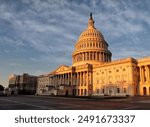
(144, 91)
(74, 92)
(110, 91)
(12, 92)
(66, 93)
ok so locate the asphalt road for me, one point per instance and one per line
(29, 102)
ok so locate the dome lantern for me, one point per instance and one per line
(91, 22)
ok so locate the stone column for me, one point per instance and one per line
(77, 79)
(87, 79)
(57, 79)
(82, 56)
(65, 78)
(79, 56)
(107, 57)
(147, 73)
(98, 56)
(50, 81)
(62, 78)
(68, 78)
(143, 73)
(81, 78)
(101, 56)
(54, 80)
(93, 53)
(71, 78)
(88, 55)
(141, 76)
(76, 57)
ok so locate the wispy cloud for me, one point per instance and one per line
(43, 32)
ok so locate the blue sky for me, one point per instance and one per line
(37, 36)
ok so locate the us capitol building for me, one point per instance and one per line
(93, 73)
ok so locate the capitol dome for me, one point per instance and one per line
(91, 47)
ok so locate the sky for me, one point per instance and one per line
(37, 36)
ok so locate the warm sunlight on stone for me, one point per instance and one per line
(93, 73)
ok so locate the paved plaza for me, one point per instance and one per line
(31, 102)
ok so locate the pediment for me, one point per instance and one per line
(61, 68)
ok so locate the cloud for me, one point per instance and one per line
(15, 64)
(44, 32)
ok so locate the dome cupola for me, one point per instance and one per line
(91, 47)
